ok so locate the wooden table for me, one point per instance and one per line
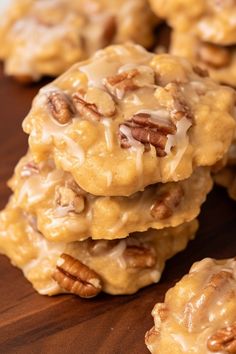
(30, 323)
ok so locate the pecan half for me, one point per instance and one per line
(214, 55)
(29, 169)
(60, 107)
(76, 278)
(148, 130)
(196, 309)
(166, 202)
(223, 340)
(139, 257)
(66, 197)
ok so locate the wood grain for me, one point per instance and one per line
(30, 323)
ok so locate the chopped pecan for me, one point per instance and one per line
(178, 108)
(166, 203)
(85, 109)
(66, 197)
(201, 72)
(148, 130)
(129, 80)
(76, 277)
(60, 107)
(29, 169)
(139, 257)
(214, 55)
(196, 308)
(223, 340)
(118, 84)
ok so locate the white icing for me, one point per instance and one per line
(133, 142)
(117, 253)
(36, 186)
(180, 140)
(108, 133)
(109, 178)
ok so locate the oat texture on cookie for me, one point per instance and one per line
(199, 312)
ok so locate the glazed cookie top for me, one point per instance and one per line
(67, 213)
(210, 20)
(127, 118)
(46, 37)
(87, 267)
(199, 312)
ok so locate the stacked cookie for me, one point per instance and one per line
(41, 37)
(120, 149)
(204, 31)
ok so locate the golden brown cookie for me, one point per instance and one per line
(85, 268)
(136, 117)
(41, 37)
(67, 213)
(199, 312)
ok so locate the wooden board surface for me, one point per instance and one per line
(30, 323)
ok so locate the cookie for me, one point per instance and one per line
(136, 117)
(210, 20)
(85, 268)
(220, 61)
(66, 213)
(199, 312)
(41, 38)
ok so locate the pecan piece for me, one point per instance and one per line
(139, 257)
(85, 109)
(223, 340)
(179, 108)
(119, 84)
(76, 278)
(66, 197)
(129, 80)
(29, 169)
(148, 130)
(214, 55)
(61, 107)
(166, 203)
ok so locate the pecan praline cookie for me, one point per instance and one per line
(41, 37)
(210, 20)
(127, 118)
(85, 268)
(199, 312)
(219, 60)
(66, 213)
